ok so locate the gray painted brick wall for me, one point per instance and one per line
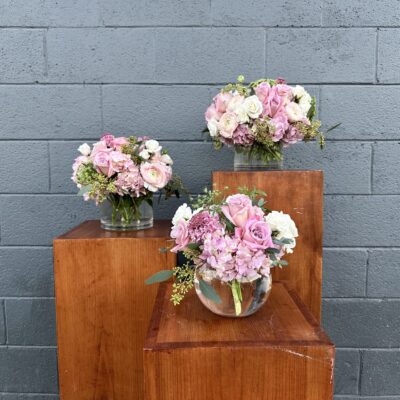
(70, 70)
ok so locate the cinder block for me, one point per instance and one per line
(347, 371)
(49, 13)
(26, 271)
(31, 370)
(163, 112)
(386, 178)
(2, 323)
(384, 273)
(101, 55)
(22, 55)
(365, 112)
(362, 323)
(190, 55)
(50, 112)
(381, 373)
(361, 13)
(388, 57)
(164, 12)
(24, 167)
(266, 13)
(31, 322)
(312, 55)
(344, 272)
(361, 220)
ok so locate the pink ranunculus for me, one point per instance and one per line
(228, 124)
(120, 161)
(257, 234)
(107, 138)
(238, 209)
(102, 163)
(118, 142)
(180, 233)
(212, 113)
(221, 101)
(155, 175)
(262, 91)
(281, 124)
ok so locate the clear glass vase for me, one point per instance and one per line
(238, 299)
(126, 213)
(245, 161)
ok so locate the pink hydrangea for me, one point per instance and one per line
(130, 182)
(292, 135)
(243, 136)
(202, 224)
(280, 124)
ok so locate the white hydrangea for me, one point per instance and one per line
(153, 146)
(305, 103)
(84, 149)
(144, 154)
(285, 226)
(298, 91)
(183, 212)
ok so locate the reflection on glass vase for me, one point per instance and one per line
(125, 213)
(236, 299)
(246, 161)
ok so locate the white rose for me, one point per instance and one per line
(298, 91)
(242, 116)
(183, 212)
(212, 126)
(84, 149)
(285, 226)
(153, 146)
(166, 159)
(144, 154)
(294, 112)
(253, 106)
(305, 103)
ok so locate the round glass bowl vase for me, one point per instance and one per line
(254, 294)
(124, 213)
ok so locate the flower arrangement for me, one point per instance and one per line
(262, 117)
(234, 239)
(126, 171)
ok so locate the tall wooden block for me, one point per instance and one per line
(103, 308)
(300, 194)
(279, 353)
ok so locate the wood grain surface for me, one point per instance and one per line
(103, 308)
(279, 353)
(300, 194)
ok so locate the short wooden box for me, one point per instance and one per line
(279, 353)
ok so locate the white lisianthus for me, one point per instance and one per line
(294, 112)
(298, 91)
(153, 146)
(212, 127)
(253, 106)
(144, 154)
(285, 226)
(84, 149)
(241, 113)
(166, 159)
(184, 212)
(305, 103)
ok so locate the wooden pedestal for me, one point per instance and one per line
(279, 353)
(103, 308)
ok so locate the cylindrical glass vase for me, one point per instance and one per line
(238, 299)
(245, 161)
(126, 213)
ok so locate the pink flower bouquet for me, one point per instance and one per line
(260, 118)
(231, 240)
(125, 172)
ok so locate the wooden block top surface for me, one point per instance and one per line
(283, 321)
(92, 230)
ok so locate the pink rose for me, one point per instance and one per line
(102, 163)
(284, 91)
(238, 209)
(228, 124)
(263, 91)
(221, 101)
(281, 124)
(155, 175)
(212, 113)
(100, 146)
(107, 138)
(274, 103)
(180, 233)
(119, 142)
(257, 234)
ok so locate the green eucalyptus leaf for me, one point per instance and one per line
(209, 292)
(160, 276)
